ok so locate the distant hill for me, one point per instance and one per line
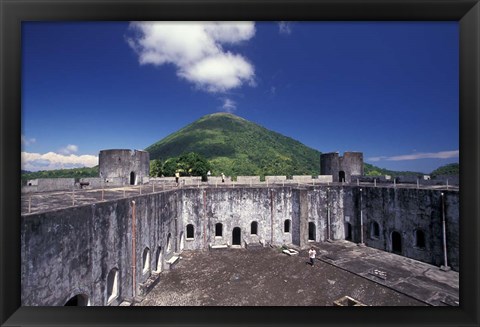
(450, 169)
(59, 173)
(371, 170)
(236, 146)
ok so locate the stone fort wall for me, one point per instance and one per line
(76, 250)
(130, 165)
(341, 167)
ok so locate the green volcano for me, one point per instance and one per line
(236, 146)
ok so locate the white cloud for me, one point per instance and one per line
(416, 156)
(231, 32)
(52, 160)
(219, 73)
(284, 28)
(26, 141)
(69, 149)
(229, 105)
(195, 48)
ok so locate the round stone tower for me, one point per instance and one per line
(119, 166)
(341, 168)
(329, 164)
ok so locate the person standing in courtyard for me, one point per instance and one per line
(311, 254)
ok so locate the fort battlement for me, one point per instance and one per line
(105, 240)
(109, 251)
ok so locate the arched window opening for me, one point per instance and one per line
(132, 178)
(396, 243)
(158, 261)
(374, 229)
(146, 260)
(112, 285)
(286, 226)
(190, 231)
(341, 176)
(79, 300)
(236, 236)
(254, 228)
(182, 241)
(169, 243)
(348, 232)
(218, 230)
(419, 239)
(311, 231)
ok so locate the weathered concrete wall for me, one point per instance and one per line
(66, 252)
(191, 180)
(351, 163)
(115, 181)
(302, 178)
(405, 211)
(445, 179)
(240, 207)
(121, 163)
(330, 165)
(275, 179)
(218, 180)
(93, 182)
(55, 184)
(248, 179)
(324, 179)
(71, 251)
(29, 189)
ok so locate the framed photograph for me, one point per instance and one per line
(132, 90)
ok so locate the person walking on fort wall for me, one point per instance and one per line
(177, 176)
(311, 255)
(223, 178)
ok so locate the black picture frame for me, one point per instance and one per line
(13, 12)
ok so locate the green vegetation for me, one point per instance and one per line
(189, 164)
(235, 147)
(371, 170)
(62, 173)
(225, 143)
(450, 169)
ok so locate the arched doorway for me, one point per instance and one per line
(341, 176)
(419, 239)
(396, 243)
(112, 285)
(169, 243)
(182, 241)
(190, 231)
(158, 263)
(236, 236)
(218, 230)
(254, 228)
(79, 300)
(311, 231)
(146, 260)
(132, 178)
(348, 231)
(374, 230)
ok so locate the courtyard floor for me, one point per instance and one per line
(268, 277)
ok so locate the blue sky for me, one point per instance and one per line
(388, 89)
